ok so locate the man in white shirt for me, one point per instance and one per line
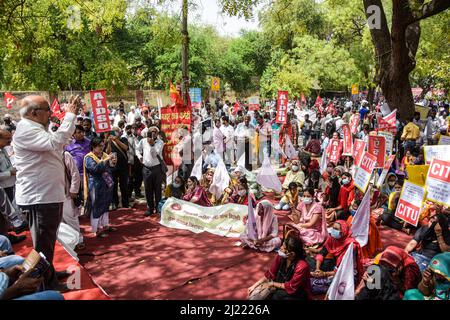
(40, 187)
(120, 117)
(264, 131)
(218, 139)
(149, 152)
(228, 133)
(244, 133)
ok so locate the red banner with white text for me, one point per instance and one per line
(282, 107)
(348, 141)
(100, 111)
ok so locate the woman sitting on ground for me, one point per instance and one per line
(175, 189)
(330, 256)
(290, 198)
(309, 220)
(331, 193)
(346, 195)
(241, 193)
(254, 187)
(435, 284)
(430, 240)
(195, 193)
(294, 175)
(289, 275)
(266, 229)
(206, 181)
(98, 186)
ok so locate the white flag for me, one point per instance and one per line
(250, 227)
(323, 162)
(289, 149)
(220, 181)
(276, 146)
(197, 169)
(241, 161)
(343, 285)
(267, 177)
(361, 220)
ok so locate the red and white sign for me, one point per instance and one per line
(388, 123)
(389, 141)
(441, 152)
(334, 150)
(438, 182)
(9, 100)
(319, 102)
(354, 123)
(56, 110)
(100, 111)
(385, 171)
(410, 202)
(364, 171)
(377, 147)
(348, 141)
(253, 103)
(358, 150)
(282, 107)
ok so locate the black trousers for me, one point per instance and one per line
(153, 177)
(44, 220)
(121, 178)
(135, 180)
(248, 165)
(10, 192)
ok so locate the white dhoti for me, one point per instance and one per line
(71, 216)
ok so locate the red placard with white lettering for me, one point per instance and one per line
(100, 111)
(364, 171)
(377, 147)
(348, 141)
(388, 123)
(438, 182)
(282, 107)
(354, 123)
(56, 110)
(358, 150)
(334, 150)
(410, 202)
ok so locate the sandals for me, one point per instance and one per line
(110, 229)
(102, 234)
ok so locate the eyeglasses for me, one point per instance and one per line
(44, 109)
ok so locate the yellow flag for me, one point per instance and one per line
(215, 84)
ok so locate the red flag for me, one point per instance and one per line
(177, 100)
(303, 99)
(9, 100)
(319, 101)
(236, 108)
(56, 110)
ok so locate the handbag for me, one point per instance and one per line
(261, 292)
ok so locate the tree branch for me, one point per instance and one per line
(430, 9)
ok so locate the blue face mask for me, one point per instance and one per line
(352, 212)
(442, 288)
(345, 181)
(334, 233)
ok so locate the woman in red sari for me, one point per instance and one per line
(195, 193)
(241, 194)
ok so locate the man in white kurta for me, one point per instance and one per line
(230, 146)
(218, 139)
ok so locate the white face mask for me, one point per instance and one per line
(176, 185)
(307, 200)
(282, 254)
(391, 183)
(294, 168)
(242, 193)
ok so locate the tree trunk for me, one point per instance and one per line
(399, 96)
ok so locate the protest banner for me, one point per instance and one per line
(410, 202)
(354, 123)
(444, 140)
(348, 141)
(282, 107)
(438, 182)
(253, 103)
(215, 84)
(441, 152)
(385, 171)
(100, 110)
(196, 97)
(358, 150)
(417, 174)
(388, 123)
(389, 141)
(226, 220)
(377, 147)
(56, 110)
(318, 102)
(364, 171)
(334, 150)
(173, 118)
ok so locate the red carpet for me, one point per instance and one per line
(62, 261)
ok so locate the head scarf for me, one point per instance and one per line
(387, 189)
(440, 264)
(338, 247)
(264, 223)
(393, 256)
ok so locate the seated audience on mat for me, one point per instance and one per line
(345, 197)
(290, 198)
(430, 240)
(435, 284)
(331, 193)
(309, 219)
(205, 183)
(266, 229)
(254, 186)
(195, 193)
(241, 193)
(294, 175)
(288, 277)
(175, 189)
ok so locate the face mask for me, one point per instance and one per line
(282, 254)
(242, 193)
(294, 168)
(307, 200)
(176, 185)
(334, 233)
(442, 288)
(345, 181)
(352, 212)
(391, 184)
